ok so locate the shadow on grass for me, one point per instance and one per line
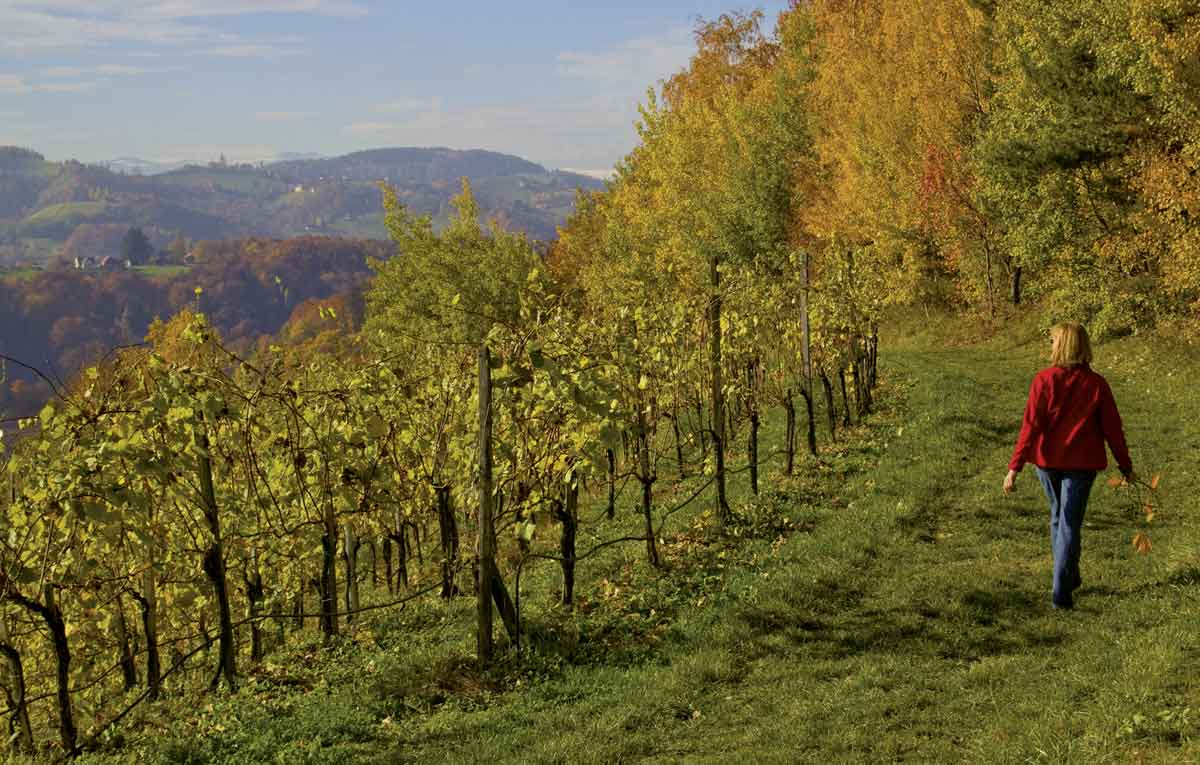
(976, 623)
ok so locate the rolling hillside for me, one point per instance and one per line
(42, 203)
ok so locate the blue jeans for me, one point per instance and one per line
(1068, 492)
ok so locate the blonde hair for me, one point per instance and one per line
(1071, 346)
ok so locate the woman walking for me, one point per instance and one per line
(1069, 416)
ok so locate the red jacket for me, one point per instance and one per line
(1068, 417)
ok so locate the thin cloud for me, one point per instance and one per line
(406, 105)
(179, 9)
(367, 128)
(282, 116)
(106, 70)
(251, 50)
(119, 70)
(30, 27)
(12, 84)
(633, 65)
(63, 87)
(63, 71)
(29, 30)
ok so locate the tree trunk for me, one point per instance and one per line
(449, 532)
(752, 451)
(718, 394)
(567, 513)
(20, 731)
(873, 354)
(830, 406)
(612, 483)
(864, 375)
(504, 604)
(647, 481)
(402, 556)
(991, 287)
(327, 588)
(789, 408)
(387, 564)
(374, 565)
(125, 647)
(806, 333)
(846, 422)
(298, 609)
(1015, 286)
(53, 617)
(148, 601)
(486, 545)
(678, 442)
(254, 599)
(812, 422)
(350, 547)
(861, 394)
(214, 567)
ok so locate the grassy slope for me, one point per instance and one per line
(60, 214)
(911, 623)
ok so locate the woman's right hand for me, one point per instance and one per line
(1009, 480)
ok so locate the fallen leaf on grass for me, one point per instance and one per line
(1141, 543)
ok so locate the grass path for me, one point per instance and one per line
(913, 624)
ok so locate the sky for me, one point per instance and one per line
(554, 81)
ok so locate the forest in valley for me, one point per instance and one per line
(316, 432)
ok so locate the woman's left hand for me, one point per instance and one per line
(1009, 480)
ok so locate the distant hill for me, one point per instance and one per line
(42, 203)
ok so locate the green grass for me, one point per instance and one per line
(361, 227)
(239, 181)
(162, 271)
(900, 614)
(60, 219)
(66, 211)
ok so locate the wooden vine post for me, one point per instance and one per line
(487, 540)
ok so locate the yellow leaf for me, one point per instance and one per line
(1141, 543)
(1154, 480)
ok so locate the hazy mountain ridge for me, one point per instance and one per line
(43, 202)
